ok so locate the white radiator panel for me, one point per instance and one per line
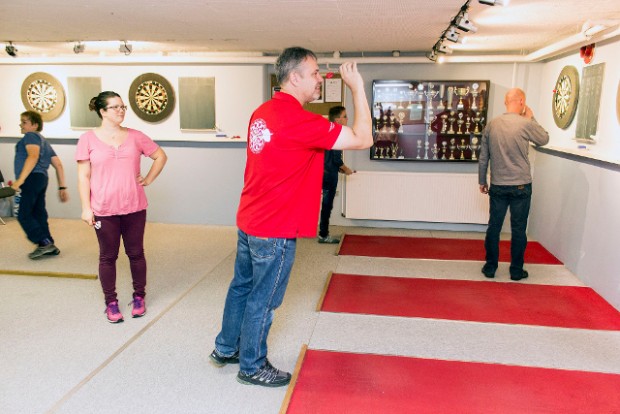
(430, 197)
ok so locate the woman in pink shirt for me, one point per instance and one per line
(112, 195)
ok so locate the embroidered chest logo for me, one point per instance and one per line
(259, 135)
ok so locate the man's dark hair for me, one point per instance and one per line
(289, 60)
(335, 111)
(34, 118)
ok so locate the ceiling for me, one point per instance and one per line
(359, 28)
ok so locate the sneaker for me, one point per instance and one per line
(220, 360)
(488, 271)
(328, 240)
(41, 251)
(113, 312)
(267, 376)
(138, 307)
(523, 275)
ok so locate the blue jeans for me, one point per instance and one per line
(329, 192)
(262, 270)
(517, 198)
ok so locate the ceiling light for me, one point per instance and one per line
(466, 25)
(492, 2)
(125, 48)
(395, 53)
(432, 56)
(78, 48)
(441, 48)
(11, 50)
(452, 35)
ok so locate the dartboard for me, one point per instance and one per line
(151, 97)
(43, 93)
(565, 95)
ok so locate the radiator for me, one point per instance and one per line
(429, 197)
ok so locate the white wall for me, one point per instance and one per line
(502, 77)
(238, 91)
(576, 201)
(202, 181)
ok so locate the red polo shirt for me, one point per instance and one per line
(282, 184)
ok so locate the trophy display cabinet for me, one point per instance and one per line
(440, 121)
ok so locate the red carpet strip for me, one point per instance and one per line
(435, 248)
(336, 383)
(464, 300)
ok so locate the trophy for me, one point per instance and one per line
(474, 147)
(394, 149)
(401, 118)
(451, 119)
(450, 94)
(476, 121)
(444, 124)
(461, 93)
(435, 150)
(419, 148)
(444, 149)
(460, 123)
(430, 94)
(474, 94)
(381, 150)
(462, 148)
(452, 148)
(376, 154)
(426, 150)
(392, 123)
(467, 125)
(441, 107)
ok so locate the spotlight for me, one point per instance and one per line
(452, 35)
(11, 50)
(432, 56)
(441, 48)
(78, 48)
(492, 2)
(395, 53)
(125, 48)
(466, 25)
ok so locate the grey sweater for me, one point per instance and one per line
(505, 144)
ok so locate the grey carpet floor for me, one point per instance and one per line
(58, 354)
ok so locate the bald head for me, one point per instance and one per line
(515, 100)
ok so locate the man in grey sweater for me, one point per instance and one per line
(505, 144)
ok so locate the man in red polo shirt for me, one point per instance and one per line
(280, 201)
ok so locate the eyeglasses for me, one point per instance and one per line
(117, 107)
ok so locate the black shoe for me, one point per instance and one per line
(41, 251)
(523, 275)
(267, 376)
(220, 361)
(488, 271)
(328, 240)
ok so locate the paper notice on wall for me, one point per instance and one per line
(333, 90)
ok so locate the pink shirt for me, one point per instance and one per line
(114, 188)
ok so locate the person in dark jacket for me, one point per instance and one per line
(333, 164)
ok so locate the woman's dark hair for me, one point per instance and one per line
(34, 118)
(289, 60)
(100, 101)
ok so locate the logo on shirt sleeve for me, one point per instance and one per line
(331, 126)
(259, 135)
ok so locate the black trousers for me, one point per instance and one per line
(329, 192)
(32, 215)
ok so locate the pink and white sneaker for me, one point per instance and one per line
(138, 307)
(113, 312)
